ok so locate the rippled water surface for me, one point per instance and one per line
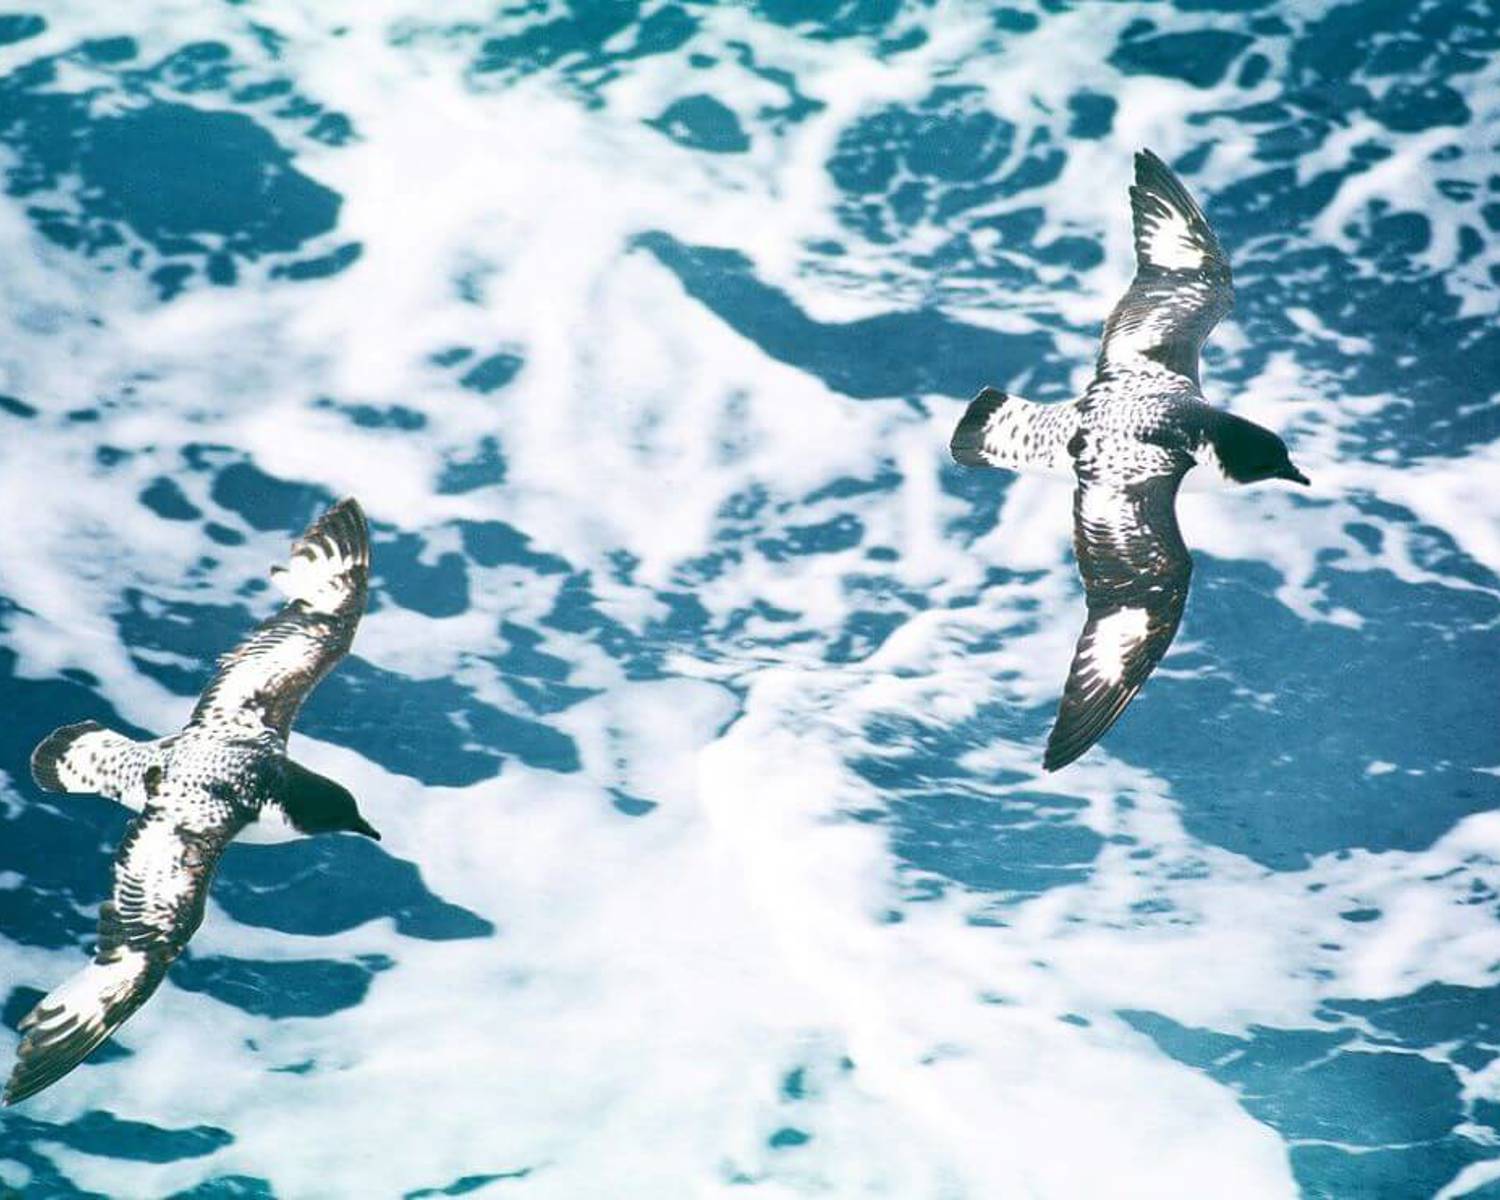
(701, 698)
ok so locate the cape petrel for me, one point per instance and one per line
(1138, 428)
(225, 774)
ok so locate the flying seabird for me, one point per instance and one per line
(225, 774)
(1139, 427)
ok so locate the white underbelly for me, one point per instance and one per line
(271, 827)
(1209, 475)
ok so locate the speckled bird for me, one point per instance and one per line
(1140, 426)
(225, 775)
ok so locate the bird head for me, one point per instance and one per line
(1251, 453)
(316, 804)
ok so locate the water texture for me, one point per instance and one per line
(701, 698)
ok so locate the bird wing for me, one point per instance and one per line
(1182, 285)
(264, 680)
(1135, 571)
(161, 876)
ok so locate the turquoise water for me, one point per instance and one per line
(701, 698)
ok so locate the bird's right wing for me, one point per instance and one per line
(162, 872)
(263, 681)
(1135, 570)
(1182, 286)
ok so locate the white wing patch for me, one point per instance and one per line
(80, 1007)
(156, 885)
(1166, 240)
(1115, 637)
(87, 995)
(318, 574)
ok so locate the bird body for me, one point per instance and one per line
(202, 766)
(1140, 427)
(226, 774)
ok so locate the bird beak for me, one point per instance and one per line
(1295, 476)
(366, 828)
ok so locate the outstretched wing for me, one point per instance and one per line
(1135, 571)
(1182, 284)
(162, 872)
(265, 679)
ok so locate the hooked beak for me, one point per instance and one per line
(1295, 476)
(365, 828)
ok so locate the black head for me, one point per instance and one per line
(1251, 453)
(316, 804)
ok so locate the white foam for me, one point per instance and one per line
(655, 979)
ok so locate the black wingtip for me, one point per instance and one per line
(1150, 168)
(1146, 158)
(1062, 752)
(348, 505)
(39, 1066)
(1152, 175)
(967, 444)
(1056, 761)
(348, 518)
(52, 749)
(1076, 730)
(18, 1092)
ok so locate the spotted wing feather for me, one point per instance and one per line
(1135, 570)
(265, 679)
(161, 877)
(1182, 286)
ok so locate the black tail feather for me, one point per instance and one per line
(967, 446)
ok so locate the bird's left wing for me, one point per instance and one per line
(1135, 570)
(1182, 285)
(161, 877)
(264, 680)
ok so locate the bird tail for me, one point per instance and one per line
(85, 757)
(1000, 430)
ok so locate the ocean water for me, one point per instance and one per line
(701, 698)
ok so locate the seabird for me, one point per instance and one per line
(224, 775)
(1139, 427)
